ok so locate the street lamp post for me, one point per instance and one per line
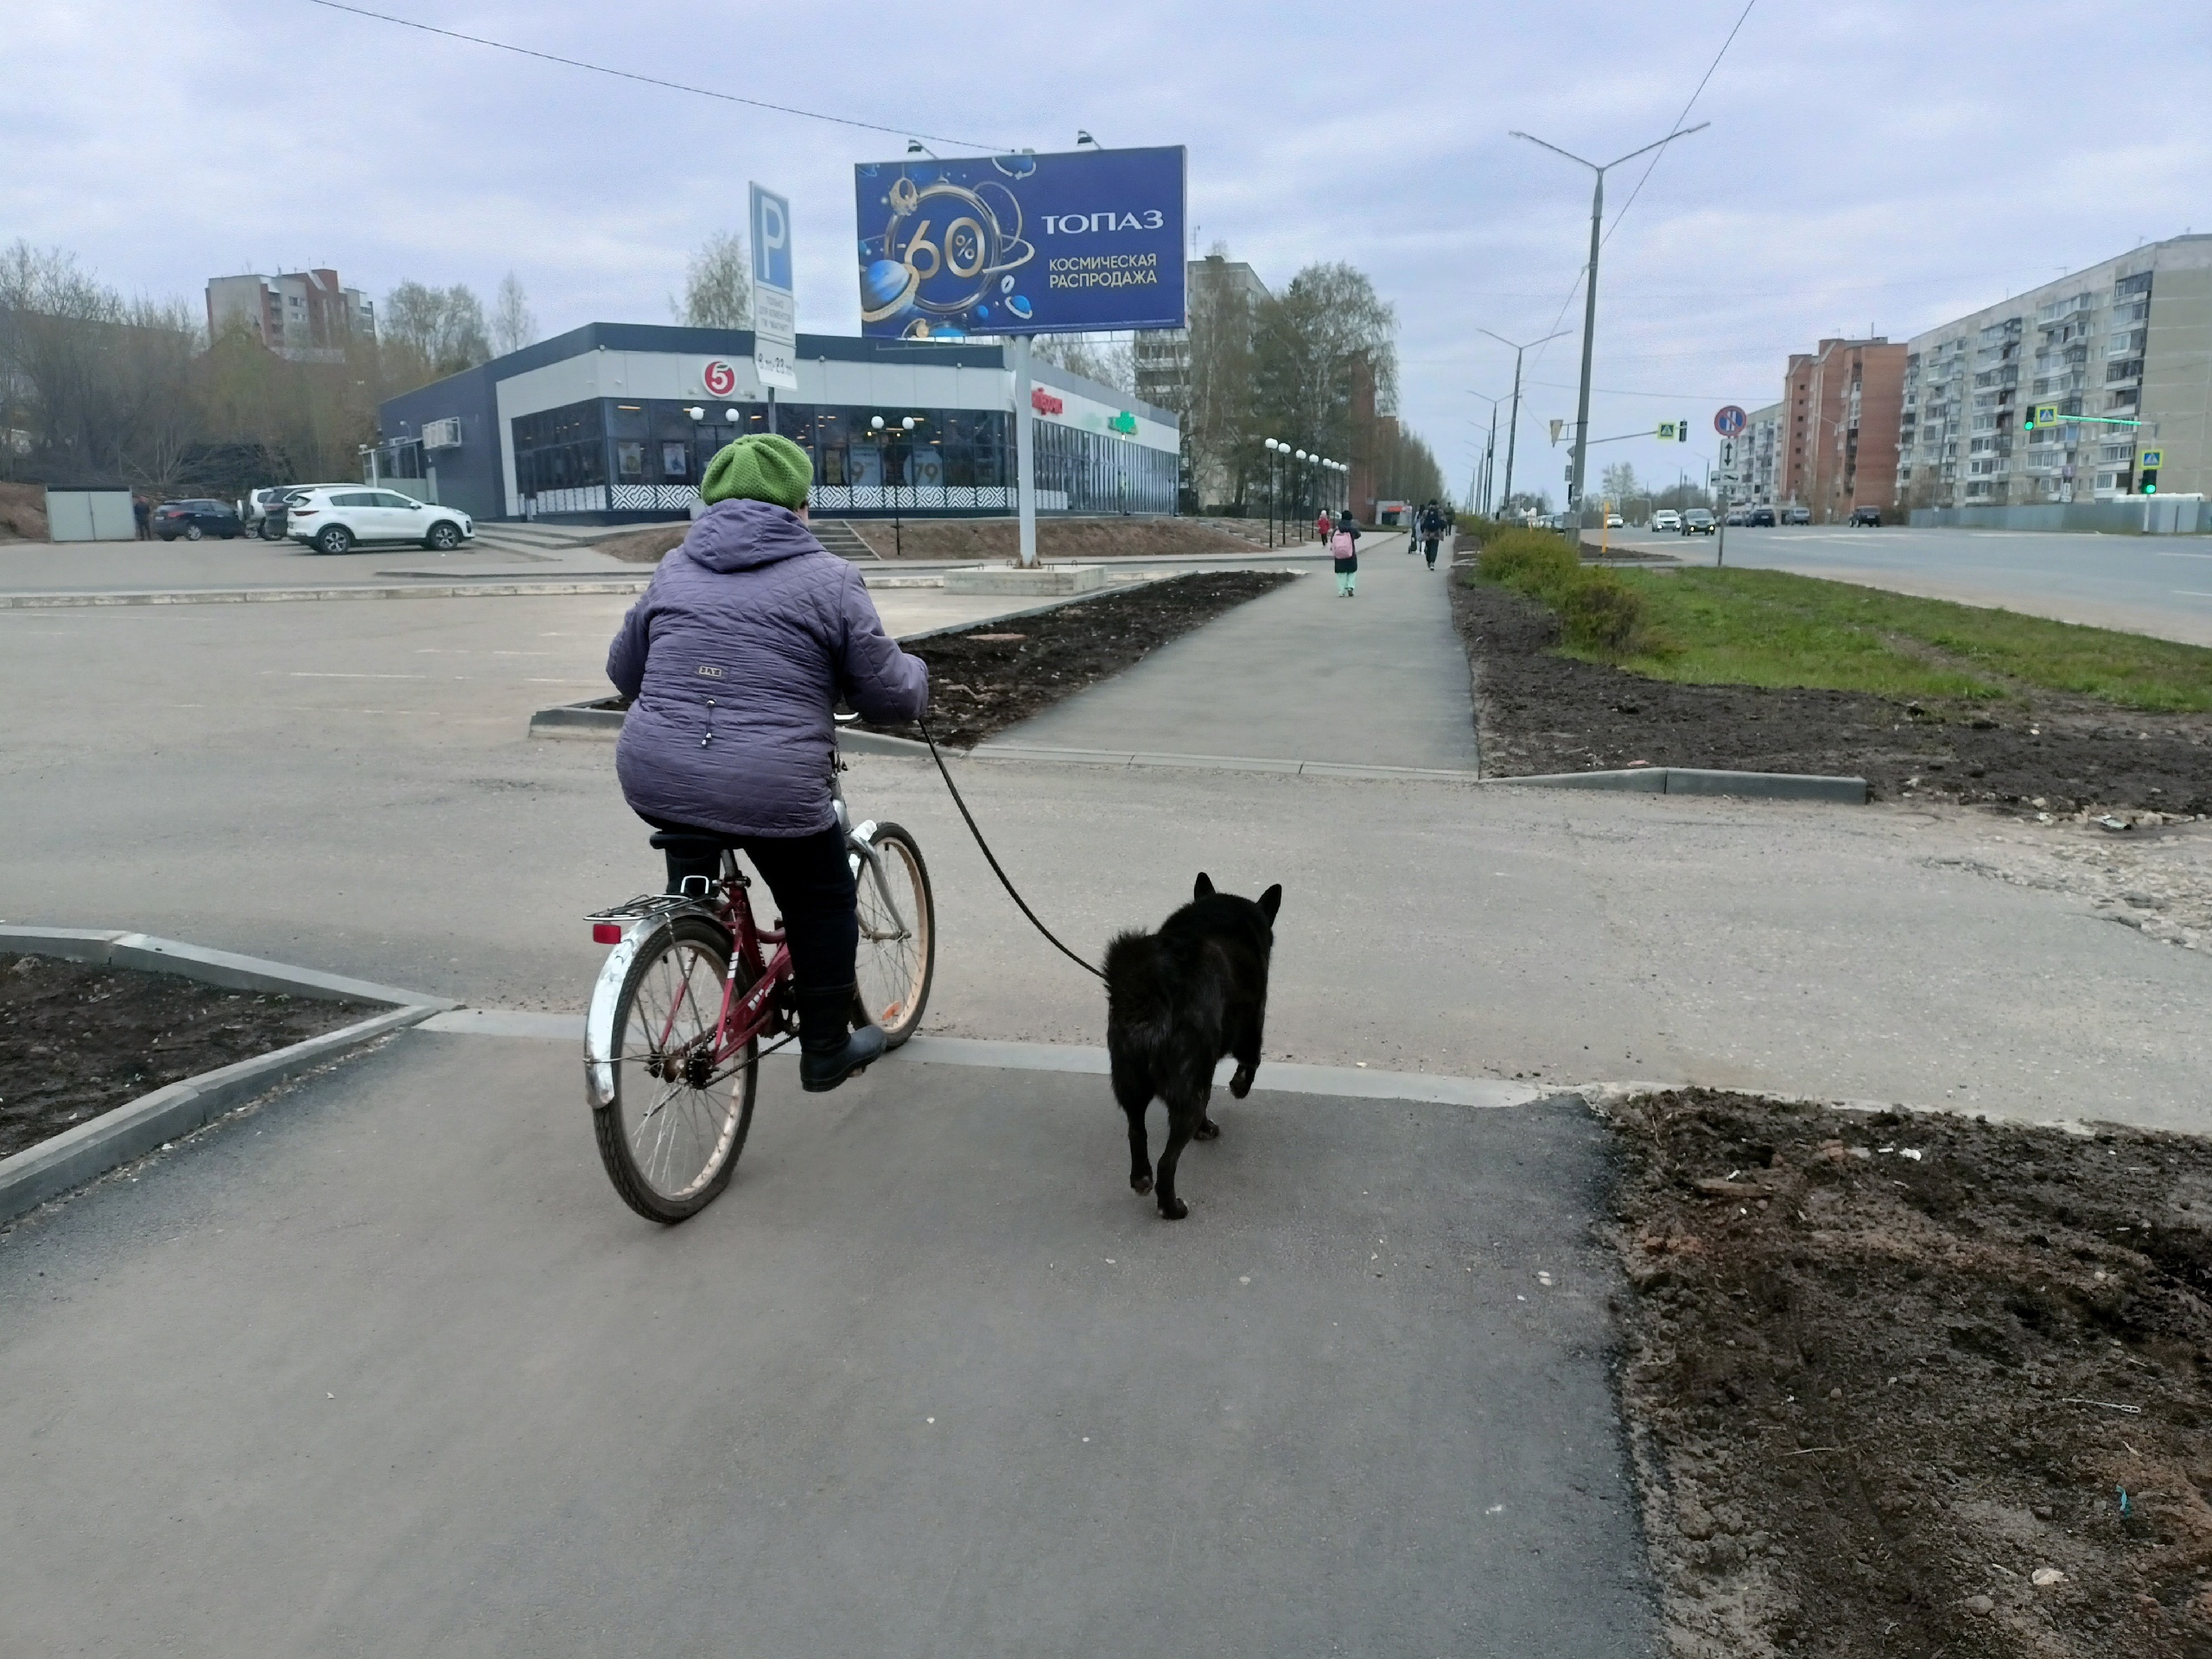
(883, 465)
(1298, 491)
(1275, 448)
(1513, 424)
(1590, 290)
(1490, 455)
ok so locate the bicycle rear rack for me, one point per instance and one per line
(655, 906)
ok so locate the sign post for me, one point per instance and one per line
(1017, 246)
(1025, 453)
(775, 339)
(1729, 422)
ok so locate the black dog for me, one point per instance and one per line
(1176, 1001)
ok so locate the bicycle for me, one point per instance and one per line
(671, 1069)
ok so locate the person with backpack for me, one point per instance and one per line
(1432, 529)
(1343, 554)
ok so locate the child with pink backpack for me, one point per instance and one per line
(1343, 554)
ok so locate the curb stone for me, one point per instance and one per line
(594, 721)
(88, 1150)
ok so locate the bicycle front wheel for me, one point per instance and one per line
(670, 1134)
(898, 950)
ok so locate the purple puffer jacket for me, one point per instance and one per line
(749, 634)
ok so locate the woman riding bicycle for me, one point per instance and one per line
(733, 658)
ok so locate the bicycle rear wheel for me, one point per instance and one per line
(675, 1123)
(898, 950)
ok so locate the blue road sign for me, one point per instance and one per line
(1730, 420)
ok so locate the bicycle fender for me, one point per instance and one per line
(599, 1024)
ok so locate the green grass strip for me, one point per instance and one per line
(1770, 627)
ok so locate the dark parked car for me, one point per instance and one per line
(1697, 522)
(1760, 518)
(1871, 516)
(264, 512)
(1797, 515)
(196, 519)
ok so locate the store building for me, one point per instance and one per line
(614, 422)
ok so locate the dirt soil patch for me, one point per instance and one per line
(1541, 712)
(22, 512)
(77, 1041)
(985, 678)
(1056, 538)
(1916, 1384)
(993, 538)
(646, 546)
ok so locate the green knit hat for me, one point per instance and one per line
(759, 467)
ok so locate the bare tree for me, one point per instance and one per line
(1324, 332)
(717, 285)
(1095, 357)
(514, 325)
(431, 333)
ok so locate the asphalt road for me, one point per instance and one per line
(387, 1369)
(350, 786)
(2159, 585)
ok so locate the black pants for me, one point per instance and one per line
(813, 888)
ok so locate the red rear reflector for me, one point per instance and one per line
(606, 933)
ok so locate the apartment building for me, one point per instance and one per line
(306, 316)
(1223, 297)
(1836, 429)
(2119, 352)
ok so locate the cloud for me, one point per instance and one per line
(1876, 163)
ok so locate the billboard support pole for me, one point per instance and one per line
(1025, 452)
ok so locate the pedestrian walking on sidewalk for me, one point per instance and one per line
(1343, 554)
(141, 513)
(1322, 526)
(1432, 529)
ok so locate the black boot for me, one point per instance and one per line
(829, 1050)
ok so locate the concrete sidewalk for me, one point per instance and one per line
(1380, 680)
(385, 1368)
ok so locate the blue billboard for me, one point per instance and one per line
(1075, 243)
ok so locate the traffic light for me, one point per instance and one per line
(2150, 481)
(2147, 469)
(1681, 431)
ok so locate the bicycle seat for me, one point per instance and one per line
(691, 844)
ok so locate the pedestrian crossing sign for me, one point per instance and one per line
(2045, 415)
(1666, 431)
(2151, 459)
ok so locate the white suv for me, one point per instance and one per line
(1666, 518)
(332, 518)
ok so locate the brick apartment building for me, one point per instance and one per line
(1836, 446)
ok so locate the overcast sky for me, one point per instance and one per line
(1882, 165)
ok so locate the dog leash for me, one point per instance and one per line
(990, 858)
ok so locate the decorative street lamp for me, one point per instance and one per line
(883, 465)
(1275, 448)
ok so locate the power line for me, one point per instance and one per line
(652, 80)
(1583, 274)
(1696, 94)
